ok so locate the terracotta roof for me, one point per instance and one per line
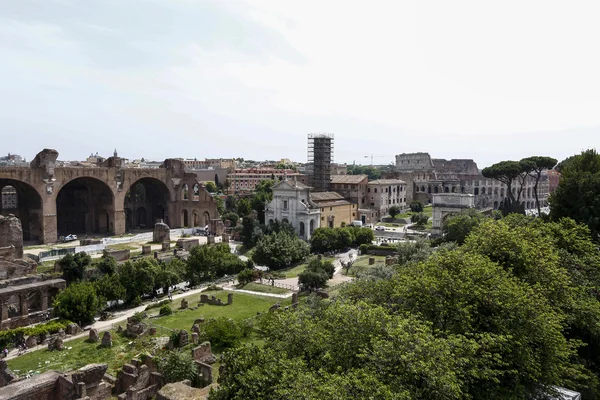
(333, 203)
(348, 178)
(387, 182)
(325, 196)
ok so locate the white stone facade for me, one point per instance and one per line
(291, 202)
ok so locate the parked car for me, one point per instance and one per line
(380, 228)
(70, 238)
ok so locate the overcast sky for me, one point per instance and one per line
(198, 78)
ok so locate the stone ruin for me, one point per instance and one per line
(93, 336)
(85, 383)
(162, 233)
(107, 339)
(295, 300)
(138, 380)
(184, 304)
(204, 358)
(55, 344)
(187, 244)
(12, 263)
(135, 329)
(184, 338)
(6, 375)
(204, 299)
(183, 390)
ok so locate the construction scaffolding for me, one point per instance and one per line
(320, 158)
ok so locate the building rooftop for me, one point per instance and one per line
(326, 196)
(387, 182)
(355, 179)
(333, 203)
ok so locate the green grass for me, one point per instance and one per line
(244, 306)
(296, 270)
(257, 287)
(82, 353)
(124, 349)
(46, 267)
(391, 224)
(123, 246)
(362, 263)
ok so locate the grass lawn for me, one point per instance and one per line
(124, 349)
(296, 270)
(80, 354)
(123, 246)
(244, 306)
(257, 287)
(362, 263)
(391, 224)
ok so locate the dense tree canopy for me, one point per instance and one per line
(509, 172)
(457, 227)
(508, 315)
(78, 303)
(210, 262)
(577, 195)
(280, 250)
(73, 266)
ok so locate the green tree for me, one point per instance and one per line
(280, 250)
(217, 183)
(107, 265)
(248, 275)
(416, 206)
(138, 277)
(363, 236)
(220, 205)
(73, 266)
(232, 218)
(508, 172)
(231, 203)
(209, 262)
(457, 227)
(576, 196)
(537, 165)
(211, 187)
(393, 211)
(78, 302)
(110, 288)
(244, 207)
(419, 219)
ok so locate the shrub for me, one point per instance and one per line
(222, 332)
(419, 219)
(137, 317)
(9, 336)
(176, 366)
(165, 310)
(214, 287)
(107, 265)
(248, 275)
(364, 248)
(416, 206)
(279, 250)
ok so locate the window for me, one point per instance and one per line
(322, 218)
(375, 190)
(285, 205)
(322, 209)
(330, 208)
(372, 204)
(354, 214)
(368, 190)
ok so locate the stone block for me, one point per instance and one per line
(93, 335)
(184, 304)
(107, 339)
(146, 249)
(31, 341)
(162, 233)
(371, 260)
(229, 298)
(195, 338)
(187, 244)
(118, 255)
(183, 338)
(166, 246)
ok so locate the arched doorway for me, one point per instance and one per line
(149, 199)
(302, 230)
(184, 217)
(24, 202)
(206, 218)
(85, 205)
(196, 218)
(311, 226)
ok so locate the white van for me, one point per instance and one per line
(357, 223)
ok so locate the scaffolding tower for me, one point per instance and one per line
(320, 158)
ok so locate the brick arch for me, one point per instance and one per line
(85, 205)
(29, 208)
(142, 212)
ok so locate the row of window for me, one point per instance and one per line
(389, 189)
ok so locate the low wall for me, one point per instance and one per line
(118, 255)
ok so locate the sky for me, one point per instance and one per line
(197, 78)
